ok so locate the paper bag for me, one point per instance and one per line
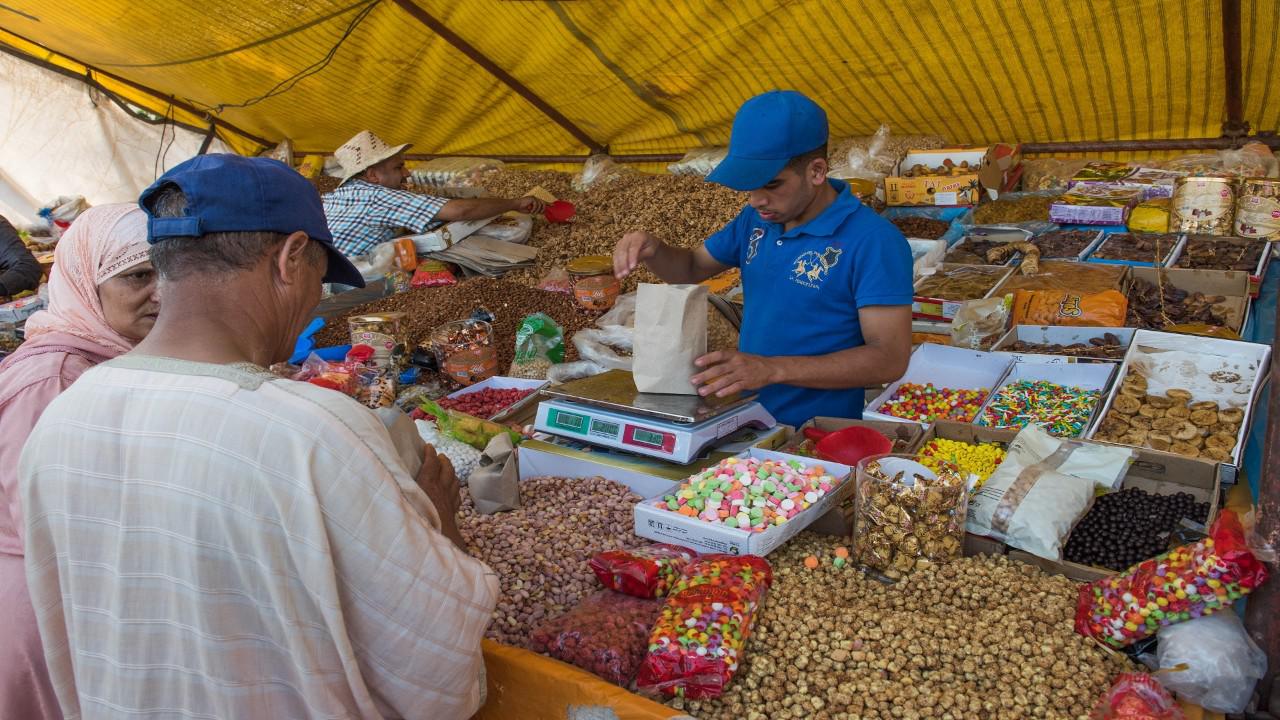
(671, 332)
(495, 485)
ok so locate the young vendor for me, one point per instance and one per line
(827, 281)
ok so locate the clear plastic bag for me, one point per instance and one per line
(597, 169)
(564, 372)
(556, 280)
(719, 596)
(647, 572)
(1211, 661)
(1251, 160)
(607, 634)
(377, 263)
(1050, 173)
(699, 161)
(1135, 696)
(907, 516)
(539, 346)
(1187, 582)
(609, 348)
(460, 171)
(978, 324)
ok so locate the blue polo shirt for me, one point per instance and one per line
(803, 288)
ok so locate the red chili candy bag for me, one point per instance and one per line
(697, 644)
(1185, 583)
(606, 634)
(1136, 696)
(646, 572)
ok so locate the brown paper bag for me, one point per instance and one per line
(670, 333)
(495, 485)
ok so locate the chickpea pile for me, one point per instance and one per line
(979, 637)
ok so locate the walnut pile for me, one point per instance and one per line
(978, 637)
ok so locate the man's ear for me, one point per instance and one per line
(818, 171)
(291, 257)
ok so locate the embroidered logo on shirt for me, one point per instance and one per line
(753, 244)
(812, 267)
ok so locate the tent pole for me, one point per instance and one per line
(1263, 605)
(1236, 126)
(505, 77)
(208, 139)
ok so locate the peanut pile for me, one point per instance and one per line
(978, 637)
(541, 551)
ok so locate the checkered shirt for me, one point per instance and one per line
(363, 215)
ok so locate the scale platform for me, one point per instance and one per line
(608, 411)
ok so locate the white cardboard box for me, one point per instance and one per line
(505, 383)
(1086, 376)
(662, 525)
(1252, 354)
(944, 366)
(1058, 335)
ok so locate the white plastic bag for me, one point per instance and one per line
(564, 372)
(597, 168)
(699, 161)
(1210, 661)
(623, 313)
(60, 212)
(512, 228)
(377, 263)
(605, 348)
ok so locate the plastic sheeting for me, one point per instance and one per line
(662, 78)
(60, 137)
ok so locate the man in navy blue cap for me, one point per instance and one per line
(209, 540)
(826, 281)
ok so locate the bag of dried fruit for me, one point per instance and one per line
(607, 634)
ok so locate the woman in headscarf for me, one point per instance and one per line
(102, 301)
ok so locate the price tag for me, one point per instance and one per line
(944, 198)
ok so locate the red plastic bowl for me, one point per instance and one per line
(852, 444)
(559, 211)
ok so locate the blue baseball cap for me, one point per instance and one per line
(768, 131)
(230, 193)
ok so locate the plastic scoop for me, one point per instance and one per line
(849, 445)
(559, 211)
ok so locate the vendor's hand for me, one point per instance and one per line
(440, 483)
(634, 248)
(727, 372)
(530, 205)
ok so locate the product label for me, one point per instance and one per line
(1258, 217)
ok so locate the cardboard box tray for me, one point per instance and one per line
(1154, 472)
(1231, 284)
(1058, 335)
(928, 306)
(944, 366)
(1086, 376)
(1172, 252)
(1255, 276)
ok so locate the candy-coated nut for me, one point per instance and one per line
(811, 562)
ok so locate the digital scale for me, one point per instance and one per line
(608, 411)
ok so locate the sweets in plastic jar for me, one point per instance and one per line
(606, 634)
(697, 644)
(908, 516)
(647, 572)
(1184, 583)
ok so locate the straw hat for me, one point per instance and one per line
(363, 152)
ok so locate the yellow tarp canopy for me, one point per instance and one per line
(640, 77)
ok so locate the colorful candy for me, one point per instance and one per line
(1184, 583)
(750, 494)
(697, 643)
(926, 403)
(979, 460)
(648, 571)
(1063, 411)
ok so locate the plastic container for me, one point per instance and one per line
(468, 367)
(906, 516)
(382, 332)
(597, 293)
(464, 352)
(559, 211)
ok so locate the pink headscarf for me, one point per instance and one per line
(102, 242)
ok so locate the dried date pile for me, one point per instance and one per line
(428, 308)
(1063, 243)
(921, 227)
(1154, 307)
(1136, 247)
(977, 637)
(1107, 347)
(541, 551)
(1208, 252)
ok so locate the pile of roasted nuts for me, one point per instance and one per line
(978, 637)
(1154, 307)
(1024, 208)
(541, 550)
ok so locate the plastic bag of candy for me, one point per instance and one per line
(1187, 582)
(607, 634)
(1135, 696)
(697, 644)
(646, 572)
(432, 273)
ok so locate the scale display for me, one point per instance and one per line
(673, 441)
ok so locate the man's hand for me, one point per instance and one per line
(438, 481)
(727, 372)
(529, 205)
(634, 248)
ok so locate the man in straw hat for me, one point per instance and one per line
(370, 208)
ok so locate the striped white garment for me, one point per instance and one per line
(208, 541)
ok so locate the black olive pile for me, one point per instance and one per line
(1129, 526)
